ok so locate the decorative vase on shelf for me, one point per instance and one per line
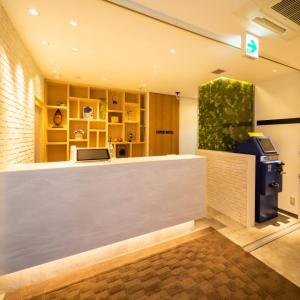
(57, 119)
(129, 115)
(78, 134)
(130, 137)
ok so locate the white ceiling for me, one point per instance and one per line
(123, 46)
(228, 20)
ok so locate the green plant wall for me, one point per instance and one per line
(225, 115)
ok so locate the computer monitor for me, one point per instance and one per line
(266, 145)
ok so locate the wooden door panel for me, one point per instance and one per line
(163, 116)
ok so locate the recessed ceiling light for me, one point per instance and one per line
(34, 12)
(274, 70)
(73, 23)
(75, 49)
(143, 85)
(103, 78)
(155, 67)
(172, 51)
(45, 43)
(55, 71)
(51, 61)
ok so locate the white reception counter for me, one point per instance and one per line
(54, 210)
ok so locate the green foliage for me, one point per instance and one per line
(226, 112)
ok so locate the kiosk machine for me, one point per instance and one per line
(268, 181)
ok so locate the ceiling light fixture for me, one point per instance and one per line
(51, 61)
(155, 67)
(274, 70)
(45, 43)
(172, 51)
(34, 12)
(73, 23)
(55, 71)
(103, 78)
(75, 49)
(143, 85)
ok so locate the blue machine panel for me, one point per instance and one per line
(268, 181)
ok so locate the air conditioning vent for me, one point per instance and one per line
(269, 25)
(290, 9)
(218, 71)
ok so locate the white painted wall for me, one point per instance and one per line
(188, 126)
(277, 99)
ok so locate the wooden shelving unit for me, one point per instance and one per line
(118, 116)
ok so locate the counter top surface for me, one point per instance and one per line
(69, 164)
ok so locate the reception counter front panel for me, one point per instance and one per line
(50, 211)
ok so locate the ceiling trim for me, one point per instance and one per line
(177, 23)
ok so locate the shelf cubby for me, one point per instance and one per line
(134, 129)
(74, 109)
(102, 139)
(57, 93)
(91, 103)
(137, 149)
(79, 91)
(97, 124)
(115, 133)
(76, 125)
(57, 136)
(131, 112)
(115, 100)
(96, 93)
(132, 98)
(93, 139)
(56, 152)
(50, 115)
(119, 115)
(142, 101)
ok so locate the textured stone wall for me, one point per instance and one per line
(231, 184)
(20, 83)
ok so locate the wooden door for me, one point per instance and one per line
(163, 124)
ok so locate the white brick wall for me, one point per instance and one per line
(20, 83)
(231, 184)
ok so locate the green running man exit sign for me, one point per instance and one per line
(251, 45)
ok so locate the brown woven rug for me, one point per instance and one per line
(209, 267)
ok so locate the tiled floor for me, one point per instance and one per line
(285, 260)
(282, 255)
(207, 267)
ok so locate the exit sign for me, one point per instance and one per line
(251, 45)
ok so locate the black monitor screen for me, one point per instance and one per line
(92, 154)
(266, 145)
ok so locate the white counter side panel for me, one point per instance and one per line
(50, 214)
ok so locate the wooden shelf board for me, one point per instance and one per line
(78, 140)
(115, 111)
(97, 120)
(131, 122)
(118, 124)
(57, 107)
(57, 129)
(56, 143)
(99, 130)
(138, 142)
(120, 142)
(78, 119)
(131, 104)
(80, 98)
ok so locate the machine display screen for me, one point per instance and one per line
(266, 145)
(92, 154)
